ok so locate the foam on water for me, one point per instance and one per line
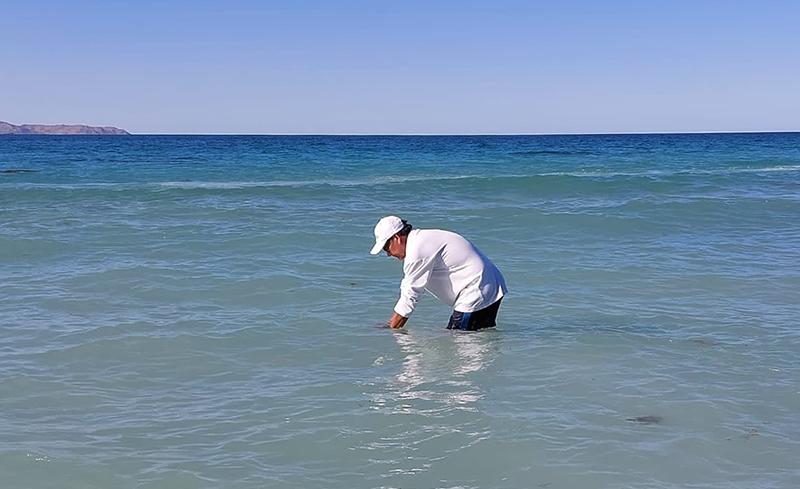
(200, 312)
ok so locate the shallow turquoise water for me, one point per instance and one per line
(201, 311)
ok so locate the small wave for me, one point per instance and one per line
(219, 185)
(663, 173)
(598, 174)
(388, 180)
(780, 168)
(659, 173)
(216, 185)
(68, 186)
(550, 152)
(233, 185)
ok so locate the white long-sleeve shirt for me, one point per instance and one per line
(451, 269)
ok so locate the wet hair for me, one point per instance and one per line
(406, 228)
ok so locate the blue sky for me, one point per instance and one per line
(410, 67)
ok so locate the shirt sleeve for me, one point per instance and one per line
(416, 278)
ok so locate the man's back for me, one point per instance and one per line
(453, 270)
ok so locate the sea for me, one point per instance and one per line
(203, 312)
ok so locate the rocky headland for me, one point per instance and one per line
(7, 128)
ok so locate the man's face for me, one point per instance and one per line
(395, 247)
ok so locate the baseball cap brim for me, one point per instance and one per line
(378, 247)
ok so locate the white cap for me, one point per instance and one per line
(385, 229)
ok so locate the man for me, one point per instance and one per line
(446, 265)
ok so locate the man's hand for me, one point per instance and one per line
(397, 321)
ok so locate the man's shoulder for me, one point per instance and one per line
(439, 238)
(428, 242)
(437, 233)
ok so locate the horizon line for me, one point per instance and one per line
(411, 134)
(653, 133)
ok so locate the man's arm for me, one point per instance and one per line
(416, 275)
(397, 321)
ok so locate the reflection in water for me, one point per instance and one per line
(411, 374)
(475, 351)
(436, 392)
(436, 373)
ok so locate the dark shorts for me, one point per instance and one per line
(473, 321)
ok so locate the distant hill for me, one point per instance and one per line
(6, 128)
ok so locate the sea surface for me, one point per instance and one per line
(202, 312)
